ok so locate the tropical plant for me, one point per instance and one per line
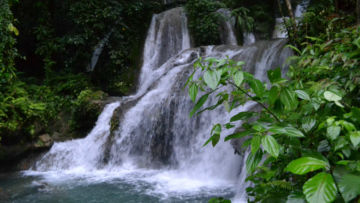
(244, 21)
(204, 20)
(304, 143)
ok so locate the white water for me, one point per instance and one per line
(227, 27)
(97, 52)
(301, 9)
(157, 142)
(167, 36)
(249, 38)
(81, 154)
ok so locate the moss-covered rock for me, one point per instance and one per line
(87, 108)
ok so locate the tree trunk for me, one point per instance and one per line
(283, 17)
(291, 13)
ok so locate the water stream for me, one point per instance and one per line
(156, 154)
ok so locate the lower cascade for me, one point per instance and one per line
(156, 143)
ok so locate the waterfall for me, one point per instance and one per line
(167, 36)
(81, 153)
(97, 52)
(301, 9)
(280, 31)
(249, 38)
(156, 138)
(227, 27)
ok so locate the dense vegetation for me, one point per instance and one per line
(45, 51)
(307, 133)
(251, 16)
(304, 143)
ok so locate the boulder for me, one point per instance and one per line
(44, 141)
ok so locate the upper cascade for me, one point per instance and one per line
(227, 28)
(167, 36)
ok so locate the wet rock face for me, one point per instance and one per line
(162, 140)
(45, 141)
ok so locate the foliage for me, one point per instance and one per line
(322, 18)
(86, 105)
(8, 51)
(56, 40)
(61, 37)
(307, 132)
(259, 16)
(204, 20)
(245, 22)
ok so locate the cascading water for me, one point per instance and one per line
(157, 147)
(97, 52)
(227, 30)
(248, 38)
(167, 36)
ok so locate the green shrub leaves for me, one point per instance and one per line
(320, 189)
(305, 165)
(314, 116)
(271, 146)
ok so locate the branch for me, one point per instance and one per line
(253, 99)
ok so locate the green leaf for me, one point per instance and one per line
(237, 135)
(193, 90)
(277, 130)
(330, 96)
(288, 98)
(215, 135)
(296, 198)
(308, 124)
(333, 132)
(273, 94)
(305, 165)
(324, 146)
(240, 63)
(349, 183)
(347, 125)
(238, 78)
(13, 29)
(302, 95)
(274, 75)
(253, 161)
(255, 144)
(355, 138)
(241, 116)
(294, 48)
(350, 186)
(257, 86)
(289, 131)
(341, 142)
(320, 189)
(212, 78)
(215, 139)
(293, 132)
(259, 127)
(271, 145)
(199, 104)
